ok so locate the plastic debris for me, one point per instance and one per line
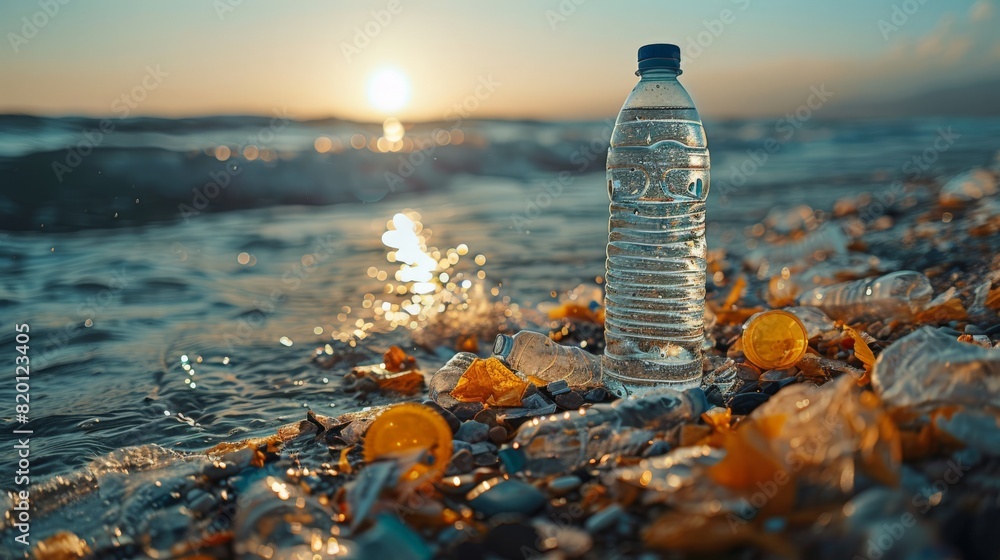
(535, 354)
(898, 295)
(815, 321)
(490, 382)
(562, 442)
(968, 186)
(928, 369)
(807, 444)
(775, 339)
(411, 428)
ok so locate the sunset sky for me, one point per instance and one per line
(549, 59)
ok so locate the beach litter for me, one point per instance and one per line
(856, 418)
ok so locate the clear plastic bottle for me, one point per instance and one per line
(898, 295)
(658, 173)
(563, 442)
(533, 353)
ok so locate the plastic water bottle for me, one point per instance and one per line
(897, 295)
(533, 353)
(563, 442)
(658, 170)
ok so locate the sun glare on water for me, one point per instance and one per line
(388, 90)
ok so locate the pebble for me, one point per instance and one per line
(486, 459)
(498, 434)
(745, 403)
(457, 444)
(453, 422)
(462, 461)
(564, 485)
(507, 496)
(747, 372)
(779, 374)
(484, 447)
(200, 501)
(603, 519)
(472, 432)
(772, 387)
(973, 329)
(596, 395)
(487, 416)
(467, 410)
(994, 330)
(874, 328)
(557, 387)
(570, 401)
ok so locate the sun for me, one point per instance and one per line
(388, 90)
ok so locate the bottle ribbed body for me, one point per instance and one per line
(658, 179)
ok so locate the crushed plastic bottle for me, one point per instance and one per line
(563, 442)
(928, 368)
(898, 295)
(537, 355)
(775, 339)
(658, 180)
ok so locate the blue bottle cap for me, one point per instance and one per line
(659, 55)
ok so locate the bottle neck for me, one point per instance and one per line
(658, 74)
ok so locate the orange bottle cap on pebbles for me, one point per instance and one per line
(774, 339)
(410, 428)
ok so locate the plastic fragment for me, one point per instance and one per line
(561, 442)
(490, 382)
(928, 369)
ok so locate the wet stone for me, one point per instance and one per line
(557, 387)
(484, 447)
(498, 434)
(596, 395)
(564, 485)
(745, 403)
(604, 519)
(487, 416)
(486, 459)
(462, 461)
(453, 422)
(779, 374)
(507, 496)
(570, 401)
(772, 387)
(199, 501)
(472, 432)
(467, 410)
(459, 444)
